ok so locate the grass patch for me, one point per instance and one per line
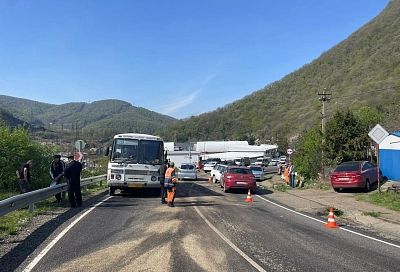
(12, 223)
(372, 214)
(319, 185)
(282, 187)
(390, 200)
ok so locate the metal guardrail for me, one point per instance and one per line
(30, 198)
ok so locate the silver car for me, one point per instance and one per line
(258, 172)
(187, 171)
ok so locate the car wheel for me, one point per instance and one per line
(225, 189)
(214, 180)
(111, 191)
(337, 190)
(367, 186)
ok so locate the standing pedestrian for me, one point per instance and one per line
(170, 184)
(161, 172)
(24, 175)
(56, 172)
(73, 173)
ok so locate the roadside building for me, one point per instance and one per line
(389, 156)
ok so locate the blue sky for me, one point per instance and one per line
(180, 58)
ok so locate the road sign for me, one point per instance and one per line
(289, 151)
(378, 134)
(80, 145)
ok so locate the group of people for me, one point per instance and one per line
(72, 171)
(58, 170)
(168, 183)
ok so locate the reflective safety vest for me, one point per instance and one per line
(169, 177)
(170, 172)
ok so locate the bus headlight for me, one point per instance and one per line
(117, 171)
(153, 178)
(118, 177)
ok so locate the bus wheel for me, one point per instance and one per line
(112, 191)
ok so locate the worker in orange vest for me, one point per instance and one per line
(170, 184)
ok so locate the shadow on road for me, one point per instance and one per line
(15, 257)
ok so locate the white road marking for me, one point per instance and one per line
(233, 246)
(315, 219)
(59, 236)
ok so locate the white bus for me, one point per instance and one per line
(134, 160)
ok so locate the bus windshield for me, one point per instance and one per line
(137, 151)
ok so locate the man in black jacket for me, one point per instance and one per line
(161, 172)
(56, 171)
(73, 173)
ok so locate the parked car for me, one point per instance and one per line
(187, 171)
(258, 172)
(261, 162)
(354, 174)
(216, 172)
(209, 166)
(238, 177)
(273, 162)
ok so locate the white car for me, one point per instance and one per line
(209, 166)
(216, 172)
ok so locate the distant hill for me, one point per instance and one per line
(9, 120)
(105, 117)
(362, 70)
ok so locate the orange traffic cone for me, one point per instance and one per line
(331, 220)
(249, 198)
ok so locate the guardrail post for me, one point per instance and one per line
(31, 207)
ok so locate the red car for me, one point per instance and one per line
(354, 174)
(238, 177)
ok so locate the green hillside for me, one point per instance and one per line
(362, 70)
(105, 117)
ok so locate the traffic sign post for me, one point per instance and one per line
(80, 145)
(289, 151)
(378, 134)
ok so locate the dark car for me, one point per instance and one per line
(354, 174)
(238, 177)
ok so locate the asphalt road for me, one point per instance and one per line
(207, 231)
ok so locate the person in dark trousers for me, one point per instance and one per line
(56, 172)
(161, 172)
(73, 173)
(24, 175)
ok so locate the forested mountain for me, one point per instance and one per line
(363, 70)
(105, 117)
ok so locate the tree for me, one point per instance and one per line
(16, 148)
(308, 155)
(345, 138)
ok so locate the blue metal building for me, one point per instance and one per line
(389, 156)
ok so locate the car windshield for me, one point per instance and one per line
(137, 151)
(240, 171)
(347, 167)
(187, 166)
(256, 168)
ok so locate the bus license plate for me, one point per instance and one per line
(135, 185)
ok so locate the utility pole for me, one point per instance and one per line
(323, 97)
